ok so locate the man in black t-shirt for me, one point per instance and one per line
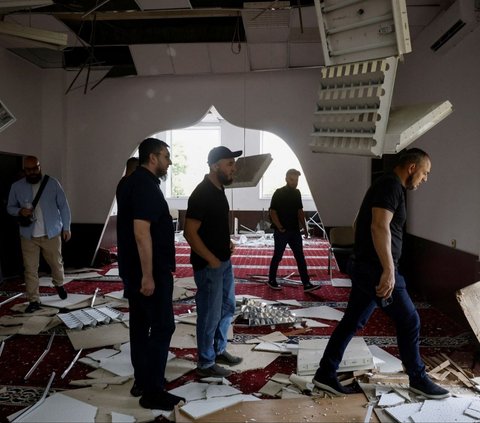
(207, 230)
(130, 167)
(376, 280)
(146, 258)
(286, 213)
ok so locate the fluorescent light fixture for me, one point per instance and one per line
(249, 170)
(40, 37)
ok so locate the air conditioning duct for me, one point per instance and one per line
(450, 27)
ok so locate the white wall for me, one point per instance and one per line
(448, 206)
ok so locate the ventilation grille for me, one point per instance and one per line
(448, 35)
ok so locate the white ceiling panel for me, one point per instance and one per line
(152, 59)
(266, 26)
(305, 54)
(229, 58)
(268, 56)
(190, 58)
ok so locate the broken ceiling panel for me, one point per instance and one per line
(249, 170)
(469, 300)
(353, 106)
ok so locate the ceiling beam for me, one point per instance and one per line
(157, 14)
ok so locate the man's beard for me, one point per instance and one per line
(33, 179)
(408, 183)
(223, 178)
(161, 174)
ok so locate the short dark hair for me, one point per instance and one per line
(149, 146)
(293, 172)
(412, 155)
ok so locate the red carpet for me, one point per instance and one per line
(439, 333)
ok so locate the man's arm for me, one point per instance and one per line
(64, 210)
(276, 220)
(141, 229)
(14, 208)
(382, 241)
(301, 220)
(190, 232)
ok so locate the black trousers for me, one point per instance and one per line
(151, 328)
(294, 239)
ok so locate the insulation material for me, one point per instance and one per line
(390, 399)
(61, 408)
(202, 408)
(294, 410)
(387, 363)
(447, 410)
(100, 336)
(319, 312)
(357, 356)
(469, 300)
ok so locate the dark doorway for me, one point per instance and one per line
(10, 251)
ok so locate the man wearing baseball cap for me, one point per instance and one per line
(207, 230)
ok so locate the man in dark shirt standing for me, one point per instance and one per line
(130, 167)
(207, 230)
(286, 213)
(376, 280)
(146, 257)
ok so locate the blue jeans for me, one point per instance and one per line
(151, 328)
(361, 304)
(294, 239)
(215, 301)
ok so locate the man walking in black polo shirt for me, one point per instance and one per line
(376, 281)
(207, 230)
(286, 213)
(146, 258)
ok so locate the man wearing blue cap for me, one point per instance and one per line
(207, 230)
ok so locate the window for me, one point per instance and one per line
(189, 149)
(283, 159)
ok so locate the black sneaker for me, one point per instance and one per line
(214, 371)
(136, 390)
(309, 287)
(274, 285)
(228, 359)
(61, 292)
(428, 389)
(33, 306)
(160, 401)
(331, 384)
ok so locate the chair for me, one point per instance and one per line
(315, 221)
(174, 214)
(342, 239)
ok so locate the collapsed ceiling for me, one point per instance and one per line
(159, 37)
